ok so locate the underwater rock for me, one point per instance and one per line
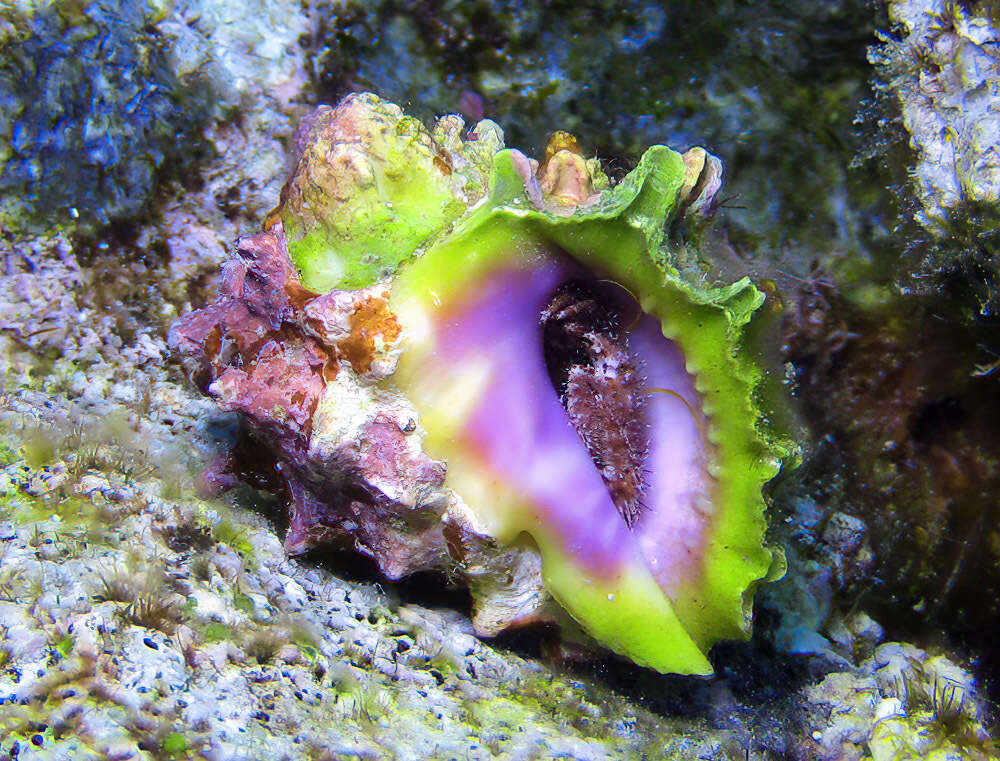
(133, 622)
(87, 115)
(453, 357)
(942, 67)
(100, 101)
(828, 555)
(900, 703)
(937, 78)
(903, 395)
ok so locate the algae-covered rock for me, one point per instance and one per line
(144, 627)
(87, 114)
(900, 704)
(943, 69)
(902, 394)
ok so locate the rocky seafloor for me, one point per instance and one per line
(142, 617)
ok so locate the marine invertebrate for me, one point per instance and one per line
(463, 359)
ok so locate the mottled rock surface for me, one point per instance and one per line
(943, 67)
(103, 101)
(139, 627)
(937, 80)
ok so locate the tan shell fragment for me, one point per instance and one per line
(567, 179)
(702, 181)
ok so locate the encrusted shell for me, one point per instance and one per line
(381, 339)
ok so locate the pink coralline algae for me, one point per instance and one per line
(268, 348)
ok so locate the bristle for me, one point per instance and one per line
(598, 381)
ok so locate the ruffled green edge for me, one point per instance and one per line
(622, 237)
